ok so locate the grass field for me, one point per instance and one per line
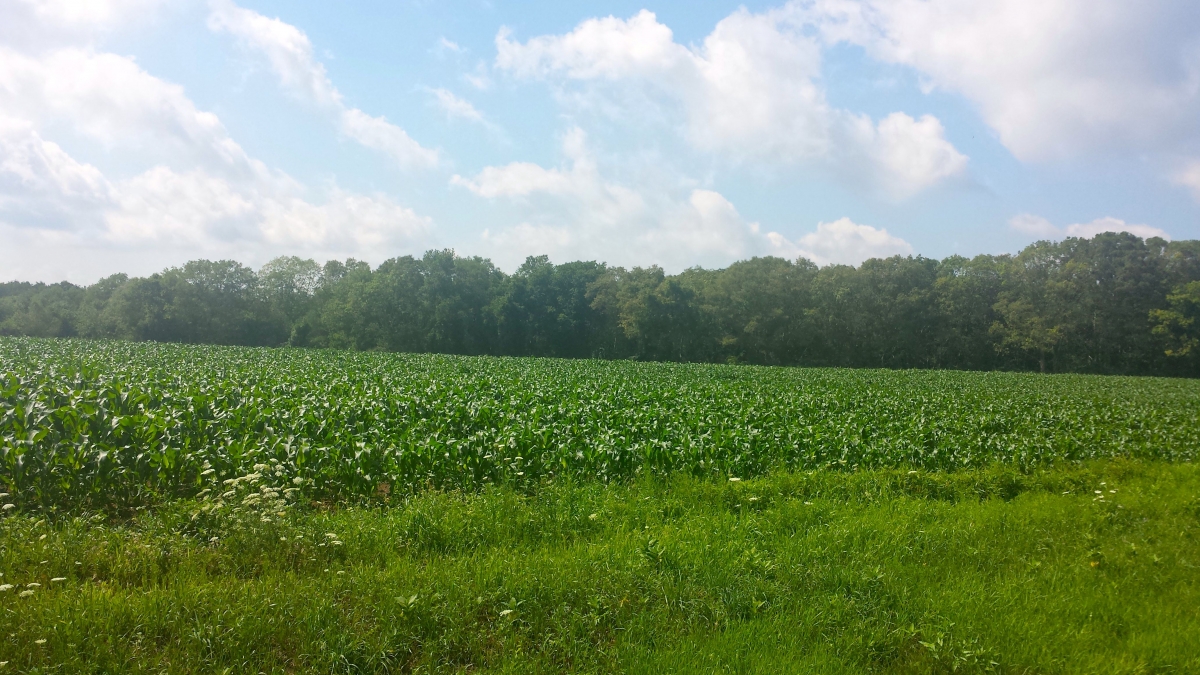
(1091, 568)
(198, 509)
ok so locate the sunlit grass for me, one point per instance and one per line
(1081, 568)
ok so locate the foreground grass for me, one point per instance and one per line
(1088, 568)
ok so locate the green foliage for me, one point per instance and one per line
(1081, 568)
(1079, 305)
(1178, 325)
(114, 425)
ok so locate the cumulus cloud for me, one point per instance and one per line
(577, 213)
(290, 55)
(379, 134)
(1038, 226)
(620, 227)
(40, 184)
(112, 100)
(188, 189)
(521, 179)
(748, 92)
(1027, 223)
(842, 242)
(91, 13)
(908, 155)
(1108, 224)
(574, 212)
(40, 25)
(1054, 78)
(43, 188)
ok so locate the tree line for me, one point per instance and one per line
(1111, 304)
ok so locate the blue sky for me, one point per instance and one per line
(138, 134)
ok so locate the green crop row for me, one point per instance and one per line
(114, 424)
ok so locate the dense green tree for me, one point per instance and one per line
(39, 309)
(545, 309)
(651, 316)
(965, 295)
(1110, 304)
(288, 284)
(1179, 325)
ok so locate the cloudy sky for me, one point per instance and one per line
(138, 134)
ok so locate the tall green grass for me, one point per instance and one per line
(1078, 568)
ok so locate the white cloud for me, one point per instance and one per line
(1054, 78)
(378, 133)
(290, 54)
(619, 226)
(445, 45)
(40, 184)
(43, 189)
(193, 208)
(287, 49)
(575, 213)
(93, 13)
(112, 100)
(39, 25)
(1189, 177)
(517, 179)
(842, 242)
(914, 155)
(198, 209)
(196, 193)
(748, 92)
(1027, 223)
(607, 48)
(456, 107)
(1037, 226)
(1088, 230)
(521, 179)
(365, 225)
(479, 78)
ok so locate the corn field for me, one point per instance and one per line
(115, 424)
